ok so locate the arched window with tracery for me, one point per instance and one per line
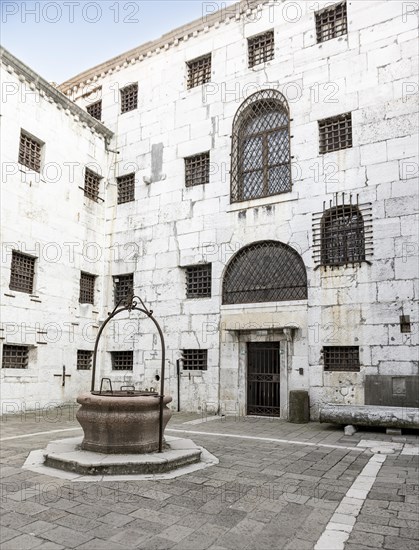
(266, 271)
(260, 157)
(342, 236)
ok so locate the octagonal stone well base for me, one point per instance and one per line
(66, 459)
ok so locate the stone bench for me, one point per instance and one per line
(392, 418)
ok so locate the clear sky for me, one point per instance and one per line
(59, 39)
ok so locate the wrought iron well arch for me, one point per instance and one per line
(129, 304)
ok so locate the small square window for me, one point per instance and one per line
(341, 358)
(197, 169)
(261, 48)
(84, 359)
(22, 272)
(87, 288)
(123, 287)
(331, 22)
(198, 281)
(199, 71)
(91, 185)
(405, 323)
(129, 98)
(126, 188)
(335, 133)
(15, 357)
(30, 152)
(122, 360)
(95, 110)
(195, 359)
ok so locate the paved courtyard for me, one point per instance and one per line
(277, 486)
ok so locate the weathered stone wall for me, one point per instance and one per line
(370, 72)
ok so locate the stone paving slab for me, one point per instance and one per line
(277, 486)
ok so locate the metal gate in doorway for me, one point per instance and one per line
(263, 372)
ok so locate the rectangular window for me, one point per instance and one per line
(198, 281)
(405, 325)
(331, 22)
(123, 287)
(91, 185)
(195, 359)
(129, 98)
(84, 359)
(95, 110)
(15, 357)
(197, 169)
(341, 358)
(87, 288)
(261, 48)
(199, 71)
(22, 272)
(126, 188)
(122, 360)
(335, 133)
(30, 152)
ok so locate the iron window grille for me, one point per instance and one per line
(266, 271)
(335, 133)
(341, 358)
(197, 169)
(331, 22)
(15, 357)
(129, 98)
(405, 325)
(91, 185)
(261, 48)
(342, 233)
(126, 188)
(199, 71)
(261, 160)
(87, 288)
(195, 359)
(95, 110)
(198, 281)
(30, 152)
(84, 359)
(123, 287)
(22, 272)
(122, 360)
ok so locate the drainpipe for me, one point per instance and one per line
(178, 383)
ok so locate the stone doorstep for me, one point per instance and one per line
(67, 455)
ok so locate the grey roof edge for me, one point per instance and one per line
(9, 60)
(169, 39)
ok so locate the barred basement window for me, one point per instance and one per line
(87, 288)
(95, 110)
(261, 48)
(261, 160)
(91, 184)
(126, 188)
(84, 359)
(266, 271)
(341, 358)
(15, 357)
(331, 22)
(198, 281)
(123, 287)
(335, 133)
(122, 360)
(199, 71)
(197, 169)
(30, 152)
(22, 272)
(342, 236)
(195, 359)
(129, 98)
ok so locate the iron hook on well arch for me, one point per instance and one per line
(131, 303)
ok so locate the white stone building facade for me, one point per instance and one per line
(272, 222)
